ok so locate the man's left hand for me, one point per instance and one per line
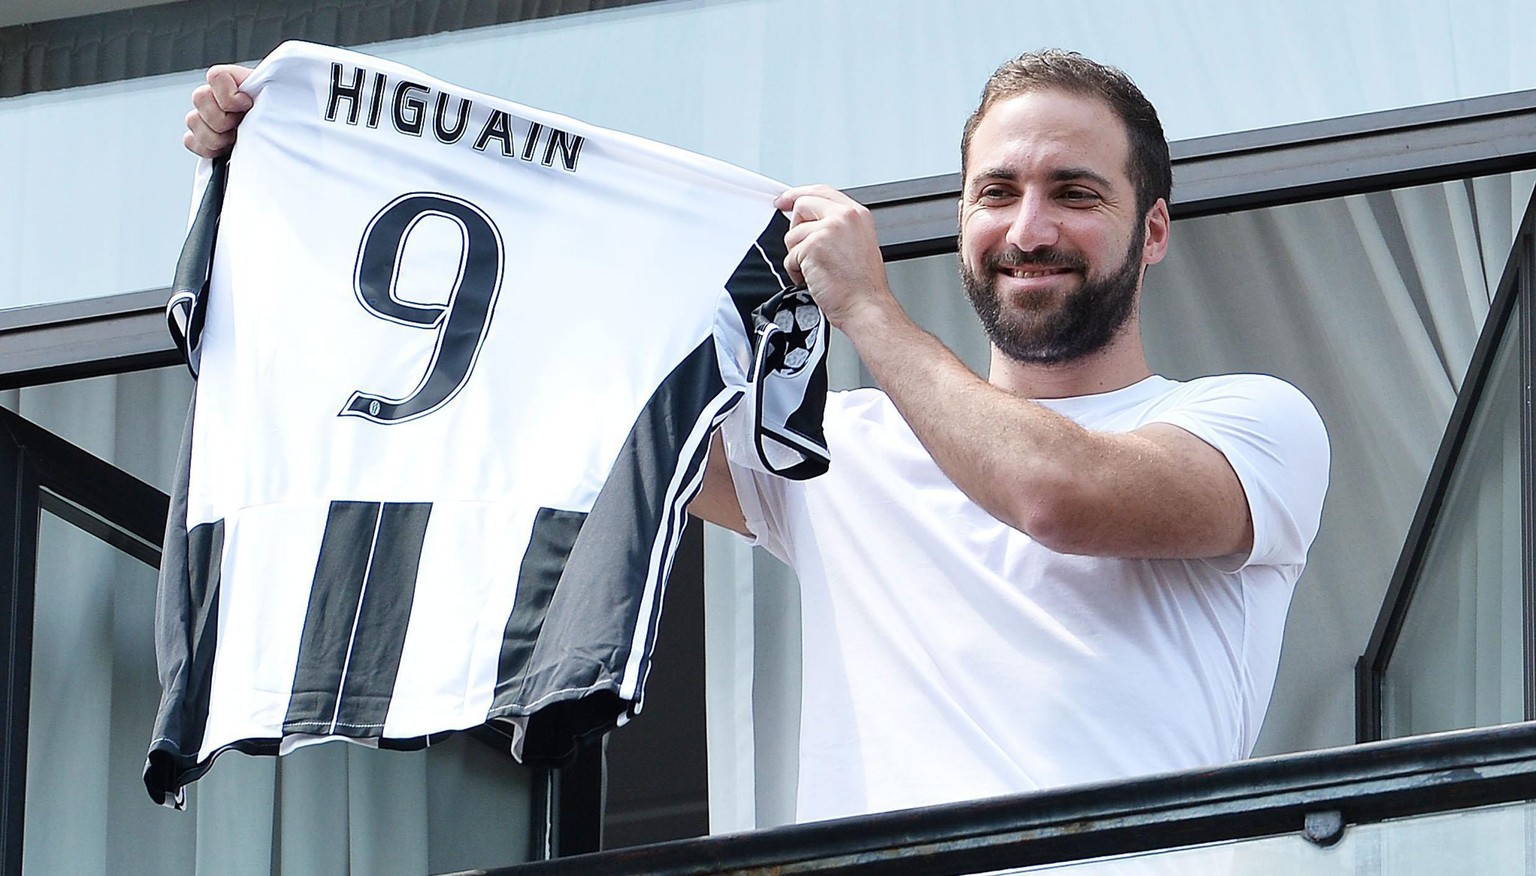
(834, 252)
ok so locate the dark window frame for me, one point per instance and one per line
(40, 471)
(1510, 310)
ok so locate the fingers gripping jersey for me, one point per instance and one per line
(458, 364)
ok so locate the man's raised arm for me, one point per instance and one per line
(1156, 492)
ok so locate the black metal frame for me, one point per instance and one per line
(567, 814)
(1525, 252)
(1513, 297)
(41, 471)
(18, 529)
(1317, 794)
(48, 343)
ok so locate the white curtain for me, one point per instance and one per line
(327, 809)
(1372, 304)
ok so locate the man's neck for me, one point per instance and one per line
(1116, 366)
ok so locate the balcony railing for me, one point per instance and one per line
(1379, 808)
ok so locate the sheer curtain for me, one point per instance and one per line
(327, 809)
(1371, 304)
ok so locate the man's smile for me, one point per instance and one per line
(1031, 272)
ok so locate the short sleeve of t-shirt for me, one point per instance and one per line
(1274, 440)
(1267, 429)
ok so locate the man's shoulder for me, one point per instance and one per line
(1261, 407)
(1252, 381)
(1265, 389)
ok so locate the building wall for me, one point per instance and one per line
(849, 93)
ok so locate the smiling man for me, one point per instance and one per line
(1073, 570)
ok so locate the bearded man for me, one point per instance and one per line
(1072, 571)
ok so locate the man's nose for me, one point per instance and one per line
(1034, 225)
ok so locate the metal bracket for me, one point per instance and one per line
(1324, 828)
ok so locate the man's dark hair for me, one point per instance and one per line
(1149, 168)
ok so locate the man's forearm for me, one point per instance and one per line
(1072, 489)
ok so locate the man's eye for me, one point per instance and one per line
(994, 193)
(1079, 195)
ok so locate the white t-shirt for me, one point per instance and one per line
(459, 361)
(948, 656)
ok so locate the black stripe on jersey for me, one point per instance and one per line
(584, 638)
(188, 637)
(334, 598)
(760, 275)
(359, 608)
(186, 310)
(677, 521)
(554, 534)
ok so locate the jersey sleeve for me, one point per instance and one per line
(765, 500)
(778, 424)
(1274, 439)
(184, 312)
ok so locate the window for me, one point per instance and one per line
(1453, 644)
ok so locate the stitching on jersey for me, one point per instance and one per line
(288, 726)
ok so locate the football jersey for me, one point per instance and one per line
(458, 361)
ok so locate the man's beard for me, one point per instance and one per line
(1084, 323)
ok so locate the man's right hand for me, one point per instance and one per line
(217, 109)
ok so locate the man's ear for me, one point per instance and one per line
(1156, 222)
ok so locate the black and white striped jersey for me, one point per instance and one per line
(458, 364)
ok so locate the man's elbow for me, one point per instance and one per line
(1104, 529)
(1072, 515)
(1051, 523)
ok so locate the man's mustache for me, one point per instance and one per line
(1040, 257)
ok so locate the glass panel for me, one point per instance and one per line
(328, 808)
(1459, 658)
(133, 421)
(1372, 304)
(93, 699)
(1492, 841)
